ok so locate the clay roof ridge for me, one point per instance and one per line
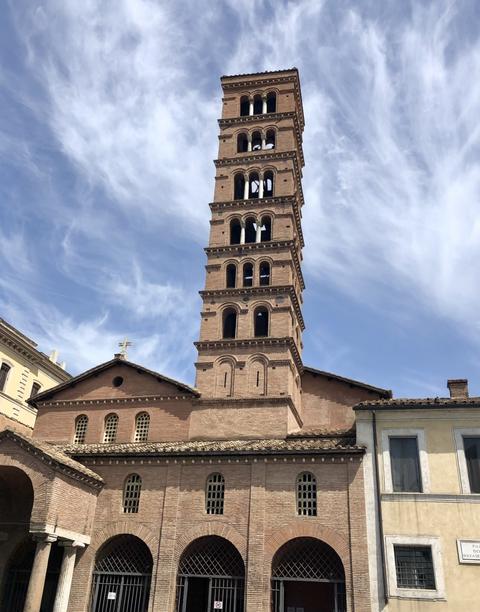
(419, 401)
(387, 393)
(50, 451)
(260, 73)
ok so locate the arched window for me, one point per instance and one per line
(254, 185)
(244, 106)
(215, 494)
(260, 318)
(257, 105)
(268, 184)
(247, 275)
(270, 139)
(35, 389)
(250, 230)
(231, 275)
(266, 229)
(264, 273)
(229, 323)
(235, 231)
(4, 370)
(111, 425)
(256, 141)
(242, 143)
(239, 187)
(81, 424)
(131, 494)
(271, 102)
(142, 424)
(306, 494)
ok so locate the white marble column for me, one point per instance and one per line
(250, 108)
(258, 236)
(242, 233)
(36, 582)
(247, 188)
(264, 142)
(66, 575)
(264, 105)
(260, 186)
(249, 140)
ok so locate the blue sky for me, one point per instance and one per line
(107, 135)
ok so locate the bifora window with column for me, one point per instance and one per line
(250, 230)
(253, 185)
(258, 104)
(258, 140)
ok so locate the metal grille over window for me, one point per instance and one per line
(215, 494)
(122, 574)
(111, 424)
(414, 567)
(142, 423)
(131, 494)
(306, 494)
(81, 425)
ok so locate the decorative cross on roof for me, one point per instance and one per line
(124, 344)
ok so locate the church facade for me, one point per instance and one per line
(139, 493)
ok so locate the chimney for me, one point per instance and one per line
(54, 356)
(458, 388)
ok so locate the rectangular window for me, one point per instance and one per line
(471, 446)
(4, 370)
(405, 464)
(414, 567)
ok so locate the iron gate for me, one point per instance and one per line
(122, 575)
(218, 564)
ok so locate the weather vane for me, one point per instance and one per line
(124, 344)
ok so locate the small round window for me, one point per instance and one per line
(117, 381)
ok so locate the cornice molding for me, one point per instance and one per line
(260, 290)
(238, 249)
(108, 401)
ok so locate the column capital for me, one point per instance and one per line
(45, 537)
(71, 544)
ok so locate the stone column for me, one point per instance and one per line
(260, 186)
(247, 188)
(258, 236)
(264, 105)
(66, 575)
(264, 141)
(250, 108)
(242, 233)
(249, 140)
(38, 574)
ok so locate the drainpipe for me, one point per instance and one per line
(379, 508)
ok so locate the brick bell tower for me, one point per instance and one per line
(249, 353)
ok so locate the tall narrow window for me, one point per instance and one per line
(35, 389)
(254, 188)
(81, 424)
(270, 140)
(405, 464)
(414, 567)
(250, 230)
(231, 274)
(264, 273)
(266, 229)
(261, 322)
(268, 184)
(242, 143)
(235, 231)
(271, 103)
(215, 494)
(142, 425)
(239, 187)
(306, 494)
(244, 106)
(131, 494)
(256, 141)
(229, 323)
(471, 446)
(4, 370)
(247, 275)
(257, 105)
(111, 425)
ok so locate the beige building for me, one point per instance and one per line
(422, 478)
(24, 372)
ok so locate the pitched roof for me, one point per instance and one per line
(419, 403)
(53, 454)
(385, 393)
(294, 444)
(104, 366)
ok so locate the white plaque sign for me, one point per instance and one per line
(112, 595)
(218, 605)
(468, 551)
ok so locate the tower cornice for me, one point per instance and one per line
(264, 203)
(265, 290)
(254, 343)
(248, 119)
(239, 249)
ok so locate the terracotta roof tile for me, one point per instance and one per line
(418, 403)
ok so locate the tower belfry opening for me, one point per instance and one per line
(253, 289)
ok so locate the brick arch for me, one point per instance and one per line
(216, 529)
(319, 532)
(123, 528)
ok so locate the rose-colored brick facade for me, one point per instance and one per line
(256, 416)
